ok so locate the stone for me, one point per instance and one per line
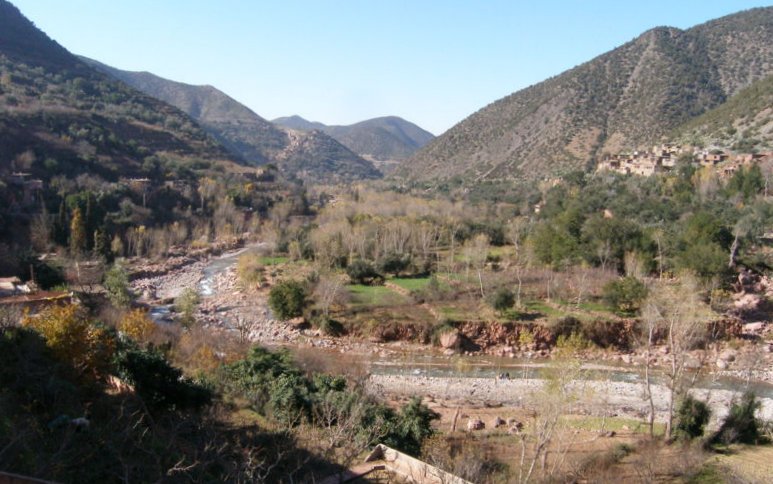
(498, 422)
(475, 424)
(728, 355)
(722, 364)
(450, 339)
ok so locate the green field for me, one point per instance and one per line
(363, 296)
(273, 261)
(410, 283)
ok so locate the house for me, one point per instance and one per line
(11, 286)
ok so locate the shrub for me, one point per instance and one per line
(363, 272)
(249, 270)
(740, 425)
(692, 417)
(117, 286)
(412, 425)
(137, 325)
(73, 338)
(394, 263)
(502, 299)
(161, 386)
(625, 295)
(186, 304)
(287, 299)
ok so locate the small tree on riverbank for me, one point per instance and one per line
(287, 299)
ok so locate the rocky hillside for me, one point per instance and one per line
(628, 97)
(744, 123)
(257, 141)
(388, 138)
(59, 116)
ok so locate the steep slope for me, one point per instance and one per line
(625, 98)
(388, 138)
(743, 123)
(59, 116)
(248, 135)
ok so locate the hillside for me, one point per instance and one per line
(59, 116)
(246, 134)
(630, 96)
(387, 138)
(744, 123)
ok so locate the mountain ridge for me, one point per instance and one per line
(385, 138)
(630, 96)
(247, 134)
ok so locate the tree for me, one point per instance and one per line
(625, 295)
(678, 312)
(362, 272)
(137, 325)
(77, 233)
(741, 424)
(692, 417)
(116, 284)
(502, 300)
(186, 305)
(73, 338)
(287, 299)
(394, 263)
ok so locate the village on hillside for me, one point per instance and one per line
(664, 158)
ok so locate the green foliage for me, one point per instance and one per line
(502, 299)
(362, 272)
(740, 424)
(161, 386)
(691, 418)
(392, 263)
(186, 305)
(116, 282)
(411, 427)
(287, 299)
(625, 295)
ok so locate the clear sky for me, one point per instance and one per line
(432, 62)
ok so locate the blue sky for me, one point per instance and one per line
(433, 62)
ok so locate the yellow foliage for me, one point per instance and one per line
(72, 338)
(137, 325)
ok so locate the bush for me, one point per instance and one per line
(287, 299)
(692, 417)
(740, 425)
(137, 325)
(186, 304)
(160, 385)
(73, 339)
(412, 425)
(363, 272)
(502, 299)
(625, 295)
(394, 263)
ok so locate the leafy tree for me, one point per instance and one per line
(691, 418)
(137, 325)
(73, 338)
(186, 305)
(77, 233)
(394, 263)
(116, 284)
(412, 425)
(362, 272)
(287, 299)
(625, 295)
(161, 386)
(502, 299)
(741, 424)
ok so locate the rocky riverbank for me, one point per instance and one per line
(592, 397)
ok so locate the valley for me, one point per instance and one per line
(572, 284)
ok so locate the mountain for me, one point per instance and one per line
(743, 123)
(626, 98)
(257, 141)
(59, 116)
(388, 138)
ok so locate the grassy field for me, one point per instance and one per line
(273, 260)
(410, 283)
(372, 296)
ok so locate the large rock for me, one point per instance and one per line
(450, 339)
(475, 424)
(728, 355)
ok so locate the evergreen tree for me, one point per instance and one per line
(77, 233)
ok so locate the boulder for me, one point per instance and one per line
(498, 422)
(728, 355)
(450, 339)
(722, 364)
(475, 424)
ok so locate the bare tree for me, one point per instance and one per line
(677, 311)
